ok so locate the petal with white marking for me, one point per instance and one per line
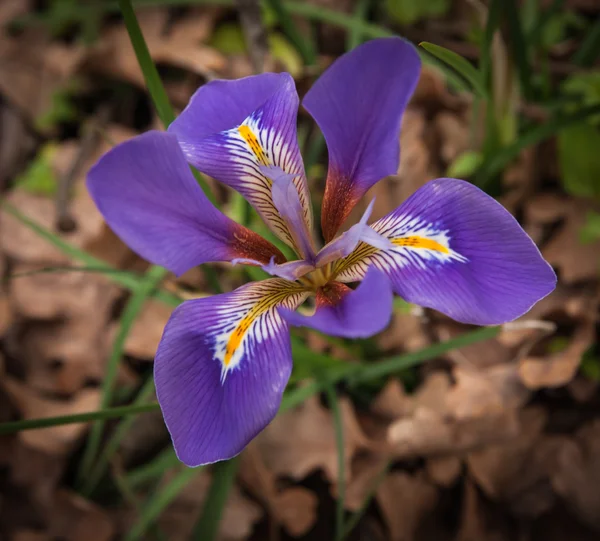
(457, 250)
(222, 366)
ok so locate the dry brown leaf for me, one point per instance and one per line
(63, 356)
(5, 308)
(479, 393)
(392, 401)
(57, 439)
(575, 260)
(302, 440)
(479, 355)
(405, 501)
(147, 330)
(292, 507)
(366, 471)
(178, 519)
(30, 535)
(64, 295)
(443, 470)
(517, 471)
(181, 47)
(32, 69)
(454, 135)
(557, 369)
(296, 509)
(22, 244)
(474, 524)
(577, 474)
(478, 410)
(406, 333)
(73, 518)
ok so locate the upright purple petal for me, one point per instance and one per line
(149, 197)
(265, 136)
(352, 314)
(346, 243)
(458, 251)
(221, 368)
(358, 104)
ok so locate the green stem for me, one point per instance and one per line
(207, 527)
(111, 447)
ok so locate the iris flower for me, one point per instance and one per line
(224, 361)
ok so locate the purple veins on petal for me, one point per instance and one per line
(346, 243)
(150, 199)
(287, 202)
(221, 368)
(358, 104)
(457, 250)
(266, 136)
(358, 313)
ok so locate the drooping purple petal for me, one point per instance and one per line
(221, 368)
(345, 244)
(458, 251)
(352, 314)
(149, 197)
(266, 136)
(358, 104)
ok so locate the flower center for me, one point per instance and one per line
(317, 278)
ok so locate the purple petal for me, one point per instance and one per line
(345, 244)
(458, 251)
(266, 136)
(221, 368)
(352, 314)
(149, 197)
(220, 105)
(287, 202)
(358, 104)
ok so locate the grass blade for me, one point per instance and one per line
(127, 279)
(207, 527)
(153, 469)
(158, 501)
(45, 422)
(518, 47)
(353, 521)
(155, 87)
(492, 24)
(589, 50)
(111, 447)
(459, 64)
(503, 157)
(303, 45)
(134, 306)
(355, 35)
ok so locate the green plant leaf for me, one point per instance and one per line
(579, 160)
(459, 64)
(39, 177)
(465, 164)
(591, 230)
(409, 11)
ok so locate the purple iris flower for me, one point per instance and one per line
(224, 361)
